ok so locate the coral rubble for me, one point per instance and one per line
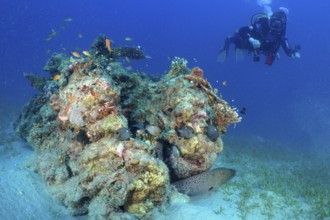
(115, 140)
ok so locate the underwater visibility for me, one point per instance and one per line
(121, 110)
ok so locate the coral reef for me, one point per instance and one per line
(56, 63)
(115, 140)
(99, 49)
(180, 99)
(36, 81)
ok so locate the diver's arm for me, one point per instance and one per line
(245, 31)
(288, 50)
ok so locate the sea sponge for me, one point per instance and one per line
(194, 155)
(90, 103)
(150, 184)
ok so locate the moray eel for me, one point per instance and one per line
(205, 181)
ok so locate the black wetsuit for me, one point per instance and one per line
(270, 42)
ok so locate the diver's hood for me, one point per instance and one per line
(278, 22)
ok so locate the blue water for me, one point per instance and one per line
(287, 101)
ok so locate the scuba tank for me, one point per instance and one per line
(260, 24)
(258, 18)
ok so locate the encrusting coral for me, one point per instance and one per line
(76, 127)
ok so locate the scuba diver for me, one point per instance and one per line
(264, 36)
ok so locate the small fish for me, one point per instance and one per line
(86, 53)
(127, 60)
(186, 132)
(175, 151)
(129, 68)
(128, 38)
(57, 77)
(80, 36)
(243, 111)
(51, 35)
(153, 130)
(213, 133)
(108, 44)
(68, 19)
(75, 54)
(224, 83)
(123, 134)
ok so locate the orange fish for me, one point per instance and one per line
(75, 54)
(86, 53)
(57, 77)
(108, 44)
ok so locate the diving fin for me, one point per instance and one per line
(222, 55)
(239, 54)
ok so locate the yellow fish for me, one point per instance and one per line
(127, 60)
(75, 54)
(108, 44)
(57, 77)
(128, 39)
(86, 53)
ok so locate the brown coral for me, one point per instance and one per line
(198, 72)
(198, 80)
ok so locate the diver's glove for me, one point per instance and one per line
(295, 55)
(255, 43)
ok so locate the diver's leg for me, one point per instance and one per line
(229, 40)
(222, 55)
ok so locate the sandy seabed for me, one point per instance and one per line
(273, 181)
